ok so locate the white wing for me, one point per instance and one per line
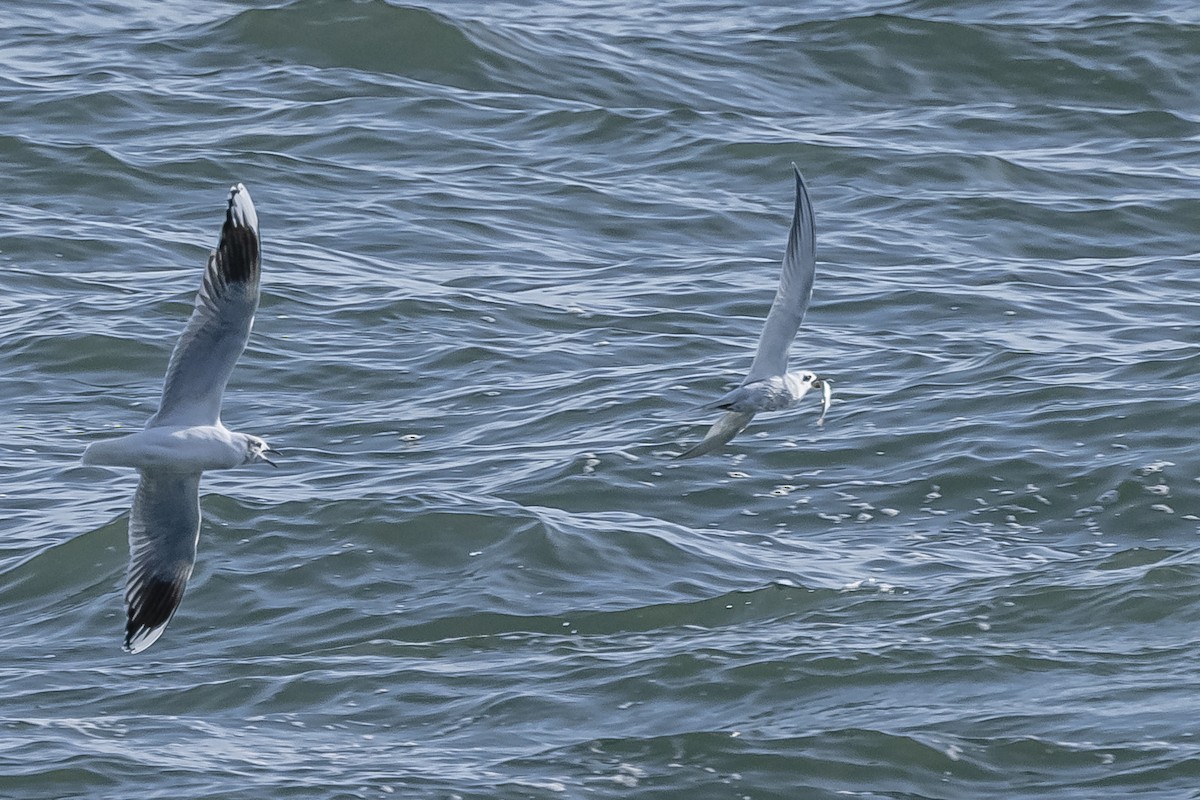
(163, 529)
(216, 334)
(795, 290)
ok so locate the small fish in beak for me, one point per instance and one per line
(826, 397)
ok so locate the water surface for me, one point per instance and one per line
(508, 248)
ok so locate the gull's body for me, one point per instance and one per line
(769, 386)
(185, 437)
(177, 448)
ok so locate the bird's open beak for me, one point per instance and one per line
(272, 452)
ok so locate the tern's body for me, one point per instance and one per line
(185, 437)
(769, 394)
(769, 386)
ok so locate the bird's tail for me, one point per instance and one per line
(728, 426)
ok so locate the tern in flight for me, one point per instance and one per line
(185, 437)
(769, 386)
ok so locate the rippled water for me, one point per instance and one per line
(508, 248)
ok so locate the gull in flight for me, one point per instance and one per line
(186, 437)
(769, 386)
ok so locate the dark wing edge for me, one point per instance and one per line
(164, 527)
(217, 331)
(238, 257)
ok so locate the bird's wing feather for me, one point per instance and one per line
(730, 424)
(795, 290)
(217, 331)
(163, 529)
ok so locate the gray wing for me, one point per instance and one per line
(795, 290)
(163, 529)
(728, 426)
(216, 334)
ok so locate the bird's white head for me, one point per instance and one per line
(257, 450)
(800, 382)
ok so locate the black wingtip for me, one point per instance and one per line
(239, 250)
(150, 604)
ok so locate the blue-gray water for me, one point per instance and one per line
(508, 248)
